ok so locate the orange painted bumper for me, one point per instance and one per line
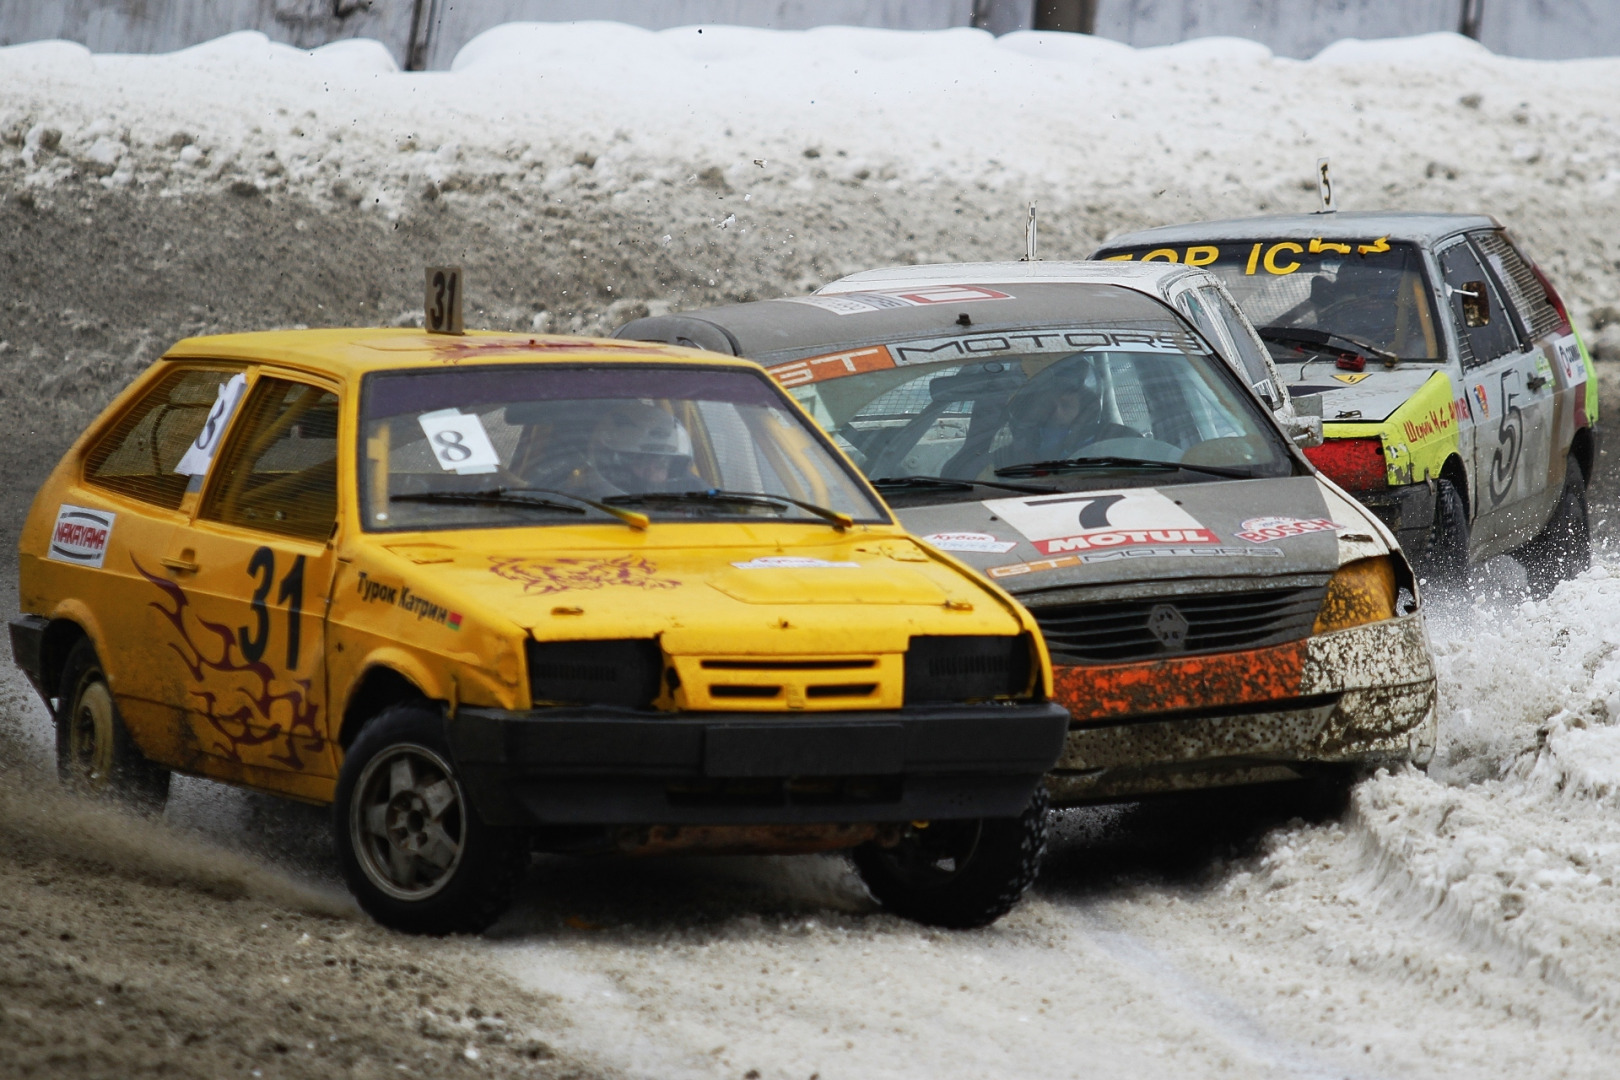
(1214, 681)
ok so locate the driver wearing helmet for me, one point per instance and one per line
(637, 447)
(1058, 413)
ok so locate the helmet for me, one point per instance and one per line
(640, 447)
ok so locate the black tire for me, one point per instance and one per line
(414, 851)
(1444, 564)
(1564, 548)
(95, 754)
(959, 874)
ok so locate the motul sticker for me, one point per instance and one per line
(81, 535)
(1093, 520)
(1263, 530)
(970, 541)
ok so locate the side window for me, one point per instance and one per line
(1518, 279)
(278, 472)
(138, 455)
(1484, 329)
(1243, 340)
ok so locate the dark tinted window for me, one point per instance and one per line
(138, 455)
(278, 472)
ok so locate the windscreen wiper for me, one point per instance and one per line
(768, 499)
(505, 496)
(905, 483)
(1037, 468)
(1299, 335)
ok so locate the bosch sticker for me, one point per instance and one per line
(81, 535)
(1263, 530)
(970, 541)
(1134, 517)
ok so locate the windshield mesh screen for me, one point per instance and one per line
(137, 456)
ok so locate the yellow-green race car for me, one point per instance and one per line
(492, 593)
(1457, 401)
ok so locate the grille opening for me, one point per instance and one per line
(788, 665)
(862, 689)
(623, 672)
(966, 668)
(1116, 631)
(733, 691)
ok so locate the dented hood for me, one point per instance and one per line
(1241, 528)
(1369, 396)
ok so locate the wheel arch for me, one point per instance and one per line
(378, 688)
(1453, 470)
(60, 636)
(1584, 447)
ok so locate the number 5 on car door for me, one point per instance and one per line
(245, 590)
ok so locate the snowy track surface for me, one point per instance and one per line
(1464, 923)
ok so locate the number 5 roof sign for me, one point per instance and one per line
(200, 454)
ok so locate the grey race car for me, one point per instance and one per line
(1218, 612)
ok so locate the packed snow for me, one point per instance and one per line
(1460, 923)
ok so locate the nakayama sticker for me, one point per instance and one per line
(200, 454)
(793, 562)
(1263, 530)
(1172, 551)
(856, 303)
(1134, 517)
(970, 541)
(459, 442)
(1568, 351)
(80, 535)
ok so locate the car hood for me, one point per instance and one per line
(1243, 529)
(1369, 396)
(840, 593)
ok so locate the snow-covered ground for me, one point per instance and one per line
(1462, 923)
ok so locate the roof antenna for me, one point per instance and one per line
(1324, 187)
(1029, 236)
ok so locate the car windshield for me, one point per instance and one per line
(1063, 404)
(1369, 291)
(550, 444)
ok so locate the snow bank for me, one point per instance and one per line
(1211, 126)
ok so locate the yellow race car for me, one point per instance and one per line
(488, 594)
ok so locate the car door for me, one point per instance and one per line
(1510, 398)
(252, 575)
(117, 525)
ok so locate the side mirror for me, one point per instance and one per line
(1476, 304)
(1306, 431)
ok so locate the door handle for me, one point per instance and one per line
(1536, 382)
(180, 566)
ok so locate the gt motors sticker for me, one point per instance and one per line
(81, 535)
(1263, 530)
(1101, 520)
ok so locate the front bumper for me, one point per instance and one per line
(1353, 698)
(606, 766)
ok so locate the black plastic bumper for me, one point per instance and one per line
(1408, 511)
(605, 766)
(28, 649)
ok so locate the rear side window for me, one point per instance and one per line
(278, 472)
(137, 457)
(1515, 275)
